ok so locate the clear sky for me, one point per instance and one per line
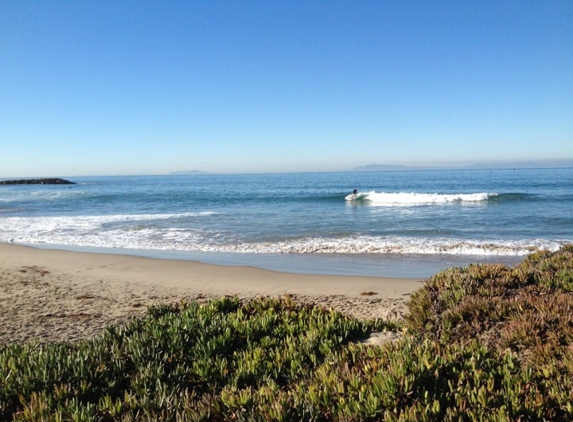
(150, 87)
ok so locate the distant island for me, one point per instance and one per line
(187, 172)
(381, 167)
(49, 181)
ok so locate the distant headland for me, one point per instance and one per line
(187, 172)
(501, 165)
(48, 181)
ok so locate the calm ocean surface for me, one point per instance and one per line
(409, 224)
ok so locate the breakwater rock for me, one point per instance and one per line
(49, 181)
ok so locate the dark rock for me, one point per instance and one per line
(50, 181)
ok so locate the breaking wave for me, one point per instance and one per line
(411, 198)
(111, 232)
(389, 245)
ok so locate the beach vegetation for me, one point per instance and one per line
(480, 343)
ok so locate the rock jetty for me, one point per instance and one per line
(50, 181)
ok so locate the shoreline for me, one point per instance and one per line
(390, 265)
(60, 295)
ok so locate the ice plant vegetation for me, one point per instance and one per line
(486, 342)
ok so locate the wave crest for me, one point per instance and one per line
(413, 198)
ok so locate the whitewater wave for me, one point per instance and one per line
(395, 245)
(189, 232)
(74, 229)
(91, 234)
(413, 198)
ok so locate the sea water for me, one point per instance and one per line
(410, 223)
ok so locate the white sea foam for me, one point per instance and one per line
(97, 231)
(411, 198)
(183, 232)
(391, 245)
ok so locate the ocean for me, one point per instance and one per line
(401, 224)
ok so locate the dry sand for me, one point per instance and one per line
(54, 295)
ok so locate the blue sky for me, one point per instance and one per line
(151, 87)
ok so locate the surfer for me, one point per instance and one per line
(352, 196)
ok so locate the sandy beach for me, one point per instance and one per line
(55, 295)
